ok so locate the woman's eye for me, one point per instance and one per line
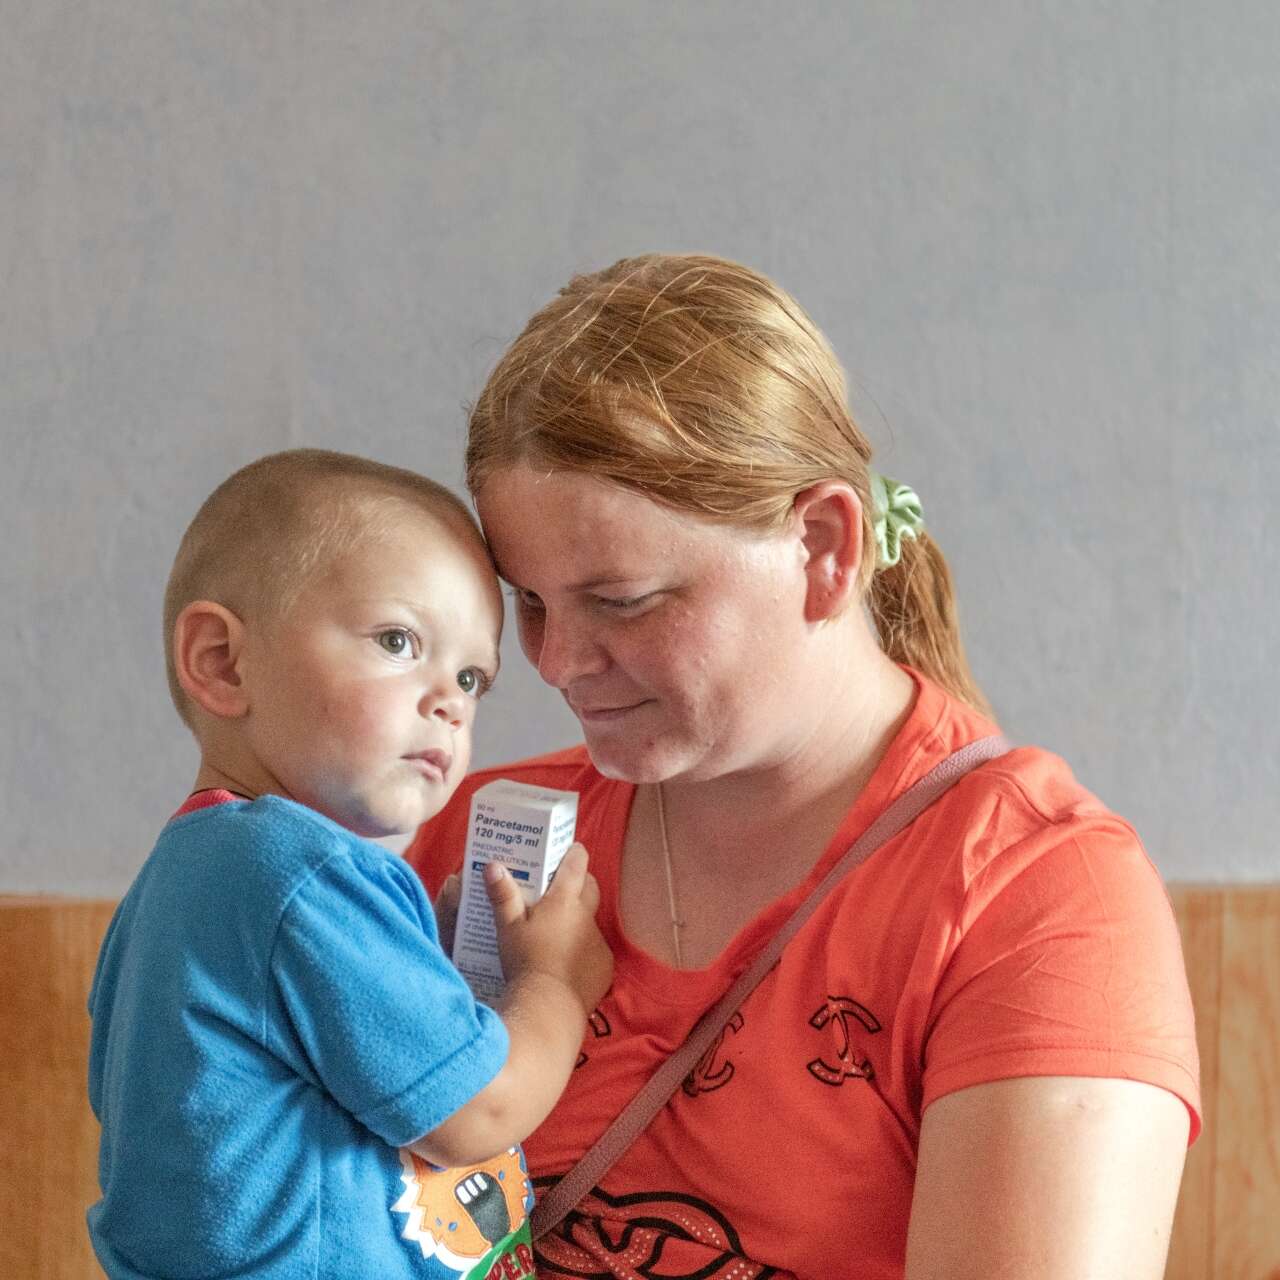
(472, 682)
(396, 641)
(620, 604)
(525, 599)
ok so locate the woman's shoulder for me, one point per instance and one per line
(1021, 849)
(1012, 809)
(941, 724)
(1056, 943)
(1040, 788)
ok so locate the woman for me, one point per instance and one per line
(977, 1058)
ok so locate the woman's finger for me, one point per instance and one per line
(591, 894)
(450, 890)
(570, 874)
(446, 909)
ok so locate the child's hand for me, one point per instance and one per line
(557, 936)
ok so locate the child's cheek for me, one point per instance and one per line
(368, 711)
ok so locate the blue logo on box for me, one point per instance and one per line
(516, 873)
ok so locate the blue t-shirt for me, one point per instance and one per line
(273, 1018)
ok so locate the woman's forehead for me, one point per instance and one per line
(585, 530)
(513, 496)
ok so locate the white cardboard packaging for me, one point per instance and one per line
(526, 828)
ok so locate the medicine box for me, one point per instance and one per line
(526, 828)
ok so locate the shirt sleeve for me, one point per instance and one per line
(381, 1018)
(1068, 963)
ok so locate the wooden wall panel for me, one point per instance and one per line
(48, 1136)
(1227, 1225)
(1246, 1153)
(1200, 922)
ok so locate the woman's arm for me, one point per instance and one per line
(1055, 1177)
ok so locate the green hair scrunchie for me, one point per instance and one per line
(896, 514)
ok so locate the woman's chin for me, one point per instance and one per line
(634, 762)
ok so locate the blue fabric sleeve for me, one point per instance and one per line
(380, 1016)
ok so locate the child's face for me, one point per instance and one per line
(362, 698)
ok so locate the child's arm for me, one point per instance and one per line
(558, 968)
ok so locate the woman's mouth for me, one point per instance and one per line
(602, 714)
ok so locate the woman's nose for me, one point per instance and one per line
(562, 649)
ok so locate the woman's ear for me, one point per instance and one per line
(207, 643)
(829, 517)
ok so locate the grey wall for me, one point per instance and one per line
(1042, 237)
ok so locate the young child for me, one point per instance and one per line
(292, 1079)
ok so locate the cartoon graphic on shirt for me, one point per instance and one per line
(648, 1236)
(471, 1215)
(836, 1012)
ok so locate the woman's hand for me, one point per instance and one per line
(446, 909)
(1056, 1177)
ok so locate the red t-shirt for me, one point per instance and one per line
(1016, 928)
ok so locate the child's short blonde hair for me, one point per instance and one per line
(263, 533)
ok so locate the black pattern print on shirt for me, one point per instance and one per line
(647, 1235)
(708, 1074)
(845, 1022)
(599, 1026)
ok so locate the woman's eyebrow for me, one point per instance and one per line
(606, 580)
(587, 584)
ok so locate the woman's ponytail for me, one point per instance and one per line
(914, 609)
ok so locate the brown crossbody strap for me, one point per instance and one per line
(653, 1095)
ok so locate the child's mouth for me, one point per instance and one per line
(433, 763)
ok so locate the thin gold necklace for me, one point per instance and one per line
(676, 923)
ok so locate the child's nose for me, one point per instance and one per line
(445, 704)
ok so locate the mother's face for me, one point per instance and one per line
(674, 640)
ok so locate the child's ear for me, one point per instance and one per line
(829, 518)
(207, 642)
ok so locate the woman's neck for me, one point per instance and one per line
(715, 852)
(799, 797)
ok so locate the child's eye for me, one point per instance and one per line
(396, 641)
(473, 682)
